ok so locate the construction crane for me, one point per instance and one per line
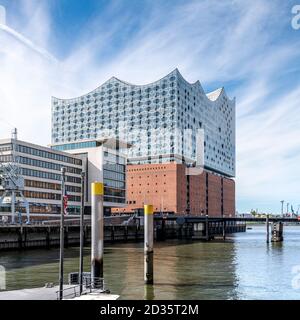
(12, 183)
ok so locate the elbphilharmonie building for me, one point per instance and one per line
(161, 121)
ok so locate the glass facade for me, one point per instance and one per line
(160, 120)
(77, 145)
(5, 147)
(114, 178)
(46, 154)
(47, 165)
(50, 186)
(41, 169)
(47, 175)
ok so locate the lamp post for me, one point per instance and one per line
(81, 234)
(61, 253)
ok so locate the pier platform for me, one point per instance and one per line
(32, 236)
(71, 293)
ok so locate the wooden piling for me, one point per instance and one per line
(206, 228)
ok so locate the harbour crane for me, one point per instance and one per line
(11, 180)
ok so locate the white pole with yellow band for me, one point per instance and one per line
(148, 244)
(97, 233)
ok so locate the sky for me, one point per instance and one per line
(66, 48)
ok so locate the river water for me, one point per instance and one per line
(244, 267)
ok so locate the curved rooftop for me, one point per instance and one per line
(212, 96)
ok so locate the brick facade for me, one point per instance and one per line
(166, 187)
(229, 196)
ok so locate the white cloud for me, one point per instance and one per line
(215, 42)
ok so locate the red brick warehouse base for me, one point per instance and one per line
(169, 189)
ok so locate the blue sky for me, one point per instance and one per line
(66, 48)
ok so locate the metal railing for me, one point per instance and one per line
(69, 293)
(95, 285)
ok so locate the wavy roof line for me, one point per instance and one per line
(143, 85)
(211, 96)
(214, 95)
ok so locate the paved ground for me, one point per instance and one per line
(51, 294)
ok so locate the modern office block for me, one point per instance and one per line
(41, 169)
(102, 162)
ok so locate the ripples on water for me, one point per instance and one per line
(245, 267)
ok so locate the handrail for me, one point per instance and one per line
(96, 285)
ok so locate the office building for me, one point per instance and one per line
(102, 161)
(41, 169)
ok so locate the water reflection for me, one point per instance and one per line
(149, 292)
(264, 270)
(245, 267)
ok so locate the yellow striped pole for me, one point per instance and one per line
(148, 244)
(97, 233)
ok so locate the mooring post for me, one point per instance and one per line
(136, 232)
(81, 234)
(149, 292)
(112, 233)
(267, 226)
(277, 232)
(206, 227)
(66, 235)
(13, 200)
(148, 244)
(224, 229)
(125, 233)
(62, 242)
(20, 237)
(97, 233)
(163, 229)
(48, 238)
